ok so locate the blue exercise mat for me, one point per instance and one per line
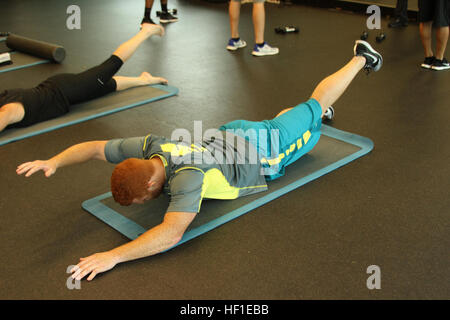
(111, 103)
(334, 149)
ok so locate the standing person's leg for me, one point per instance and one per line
(166, 16)
(401, 15)
(442, 22)
(426, 15)
(261, 48)
(148, 11)
(164, 6)
(234, 11)
(403, 11)
(426, 37)
(259, 20)
(441, 41)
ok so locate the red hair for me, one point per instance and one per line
(129, 180)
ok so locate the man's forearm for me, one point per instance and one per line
(157, 239)
(154, 241)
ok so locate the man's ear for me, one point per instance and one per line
(150, 185)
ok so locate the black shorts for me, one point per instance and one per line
(437, 11)
(90, 84)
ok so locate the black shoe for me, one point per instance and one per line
(166, 17)
(147, 20)
(440, 65)
(374, 60)
(397, 23)
(428, 62)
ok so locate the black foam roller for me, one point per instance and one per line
(36, 48)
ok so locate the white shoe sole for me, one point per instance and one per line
(167, 21)
(440, 68)
(234, 48)
(260, 54)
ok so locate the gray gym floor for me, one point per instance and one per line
(390, 208)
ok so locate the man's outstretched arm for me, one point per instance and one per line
(156, 240)
(76, 154)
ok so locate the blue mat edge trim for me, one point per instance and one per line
(14, 68)
(132, 230)
(171, 91)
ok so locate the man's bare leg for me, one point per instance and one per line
(126, 49)
(144, 79)
(333, 86)
(11, 113)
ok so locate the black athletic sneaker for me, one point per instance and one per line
(166, 17)
(440, 65)
(428, 62)
(147, 20)
(374, 60)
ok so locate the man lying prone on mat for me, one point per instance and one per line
(234, 161)
(53, 97)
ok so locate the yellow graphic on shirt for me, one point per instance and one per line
(306, 136)
(179, 150)
(216, 186)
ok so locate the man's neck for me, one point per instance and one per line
(160, 171)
